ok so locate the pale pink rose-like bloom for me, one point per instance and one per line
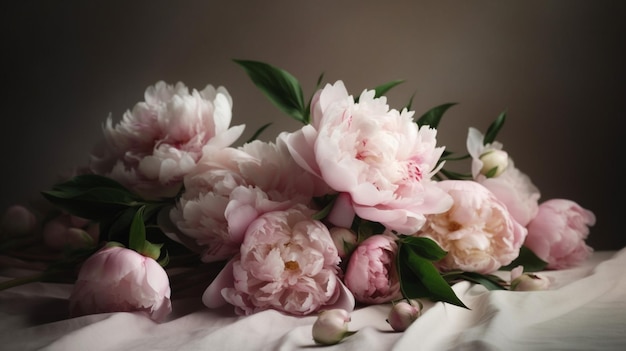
(514, 188)
(557, 234)
(231, 187)
(288, 262)
(380, 157)
(478, 232)
(116, 279)
(157, 143)
(371, 274)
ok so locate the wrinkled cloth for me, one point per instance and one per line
(585, 309)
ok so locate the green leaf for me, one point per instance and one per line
(494, 128)
(455, 175)
(137, 234)
(256, 134)
(321, 214)
(423, 271)
(91, 196)
(279, 86)
(489, 281)
(425, 247)
(317, 86)
(492, 172)
(410, 104)
(528, 259)
(117, 226)
(384, 88)
(433, 116)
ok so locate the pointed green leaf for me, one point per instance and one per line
(428, 275)
(425, 247)
(494, 128)
(433, 116)
(489, 281)
(279, 86)
(256, 134)
(528, 259)
(317, 86)
(137, 234)
(384, 88)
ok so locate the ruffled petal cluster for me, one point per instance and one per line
(162, 138)
(379, 156)
(478, 232)
(287, 262)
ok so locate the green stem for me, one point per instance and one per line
(21, 281)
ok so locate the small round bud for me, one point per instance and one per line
(494, 163)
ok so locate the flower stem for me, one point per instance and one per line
(21, 281)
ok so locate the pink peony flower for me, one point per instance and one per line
(157, 143)
(514, 188)
(557, 234)
(231, 187)
(288, 262)
(371, 274)
(478, 232)
(116, 279)
(380, 157)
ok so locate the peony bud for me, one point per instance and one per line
(528, 281)
(17, 221)
(67, 231)
(331, 326)
(116, 279)
(344, 239)
(403, 314)
(494, 159)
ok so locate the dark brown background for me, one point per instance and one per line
(557, 67)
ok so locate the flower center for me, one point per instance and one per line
(292, 265)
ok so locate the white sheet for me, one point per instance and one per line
(584, 310)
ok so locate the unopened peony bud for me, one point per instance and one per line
(494, 159)
(17, 220)
(331, 327)
(403, 314)
(344, 239)
(528, 281)
(60, 233)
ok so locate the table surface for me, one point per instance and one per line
(584, 309)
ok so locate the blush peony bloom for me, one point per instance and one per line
(231, 187)
(557, 234)
(288, 262)
(116, 279)
(380, 157)
(511, 186)
(478, 232)
(371, 274)
(157, 143)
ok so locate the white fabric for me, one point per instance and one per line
(584, 310)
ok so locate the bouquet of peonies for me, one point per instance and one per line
(354, 207)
